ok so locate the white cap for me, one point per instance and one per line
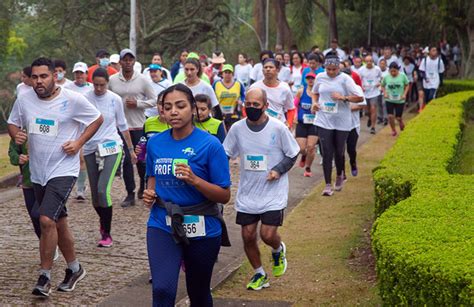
(114, 58)
(426, 50)
(80, 66)
(137, 67)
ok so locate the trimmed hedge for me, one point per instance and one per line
(424, 245)
(453, 86)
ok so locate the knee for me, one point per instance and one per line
(267, 236)
(310, 150)
(46, 223)
(249, 237)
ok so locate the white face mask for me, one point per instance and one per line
(60, 76)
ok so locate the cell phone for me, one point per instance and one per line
(178, 161)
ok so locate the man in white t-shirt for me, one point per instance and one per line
(341, 54)
(389, 57)
(267, 151)
(257, 71)
(371, 76)
(431, 67)
(54, 119)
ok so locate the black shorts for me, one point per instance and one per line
(272, 218)
(396, 108)
(51, 199)
(305, 130)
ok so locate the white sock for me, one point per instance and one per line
(260, 270)
(279, 249)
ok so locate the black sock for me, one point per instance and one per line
(99, 213)
(107, 219)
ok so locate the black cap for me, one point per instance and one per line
(101, 53)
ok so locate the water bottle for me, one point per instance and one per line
(142, 144)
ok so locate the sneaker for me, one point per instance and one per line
(303, 161)
(80, 196)
(56, 254)
(279, 261)
(369, 123)
(402, 125)
(394, 133)
(129, 201)
(71, 279)
(385, 122)
(327, 190)
(339, 183)
(258, 282)
(372, 130)
(354, 171)
(307, 172)
(140, 194)
(106, 241)
(43, 286)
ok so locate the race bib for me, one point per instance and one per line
(308, 118)
(272, 113)
(194, 225)
(329, 107)
(257, 163)
(227, 109)
(108, 148)
(42, 126)
(306, 106)
(394, 97)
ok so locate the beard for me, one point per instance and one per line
(45, 91)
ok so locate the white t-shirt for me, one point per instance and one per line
(357, 70)
(371, 81)
(408, 70)
(66, 83)
(284, 74)
(334, 114)
(389, 61)
(22, 88)
(256, 194)
(296, 79)
(204, 88)
(432, 69)
(340, 53)
(257, 72)
(111, 107)
(242, 73)
(158, 87)
(355, 115)
(84, 89)
(280, 99)
(49, 125)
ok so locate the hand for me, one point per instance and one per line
(337, 96)
(315, 108)
(184, 172)
(273, 175)
(149, 197)
(72, 147)
(404, 97)
(385, 95)
(23, 159)
(133, 156)
(20, 137)
(138, 150)
(130, 102)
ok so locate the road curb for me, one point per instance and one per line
(9, 181)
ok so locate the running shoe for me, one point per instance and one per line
(140, 194)
(372, 130)
(106, 241)
(339, 183)
(394, 133)
(56, 254)
(354, 171)
(279, 261)
(402, 125)
(258, 282)
(80, 196)
(385, 122)
(307, 172)
(43, 286)
(129, 201)
(303, 161)
(369, 123)
(327, 190)
(71, 279)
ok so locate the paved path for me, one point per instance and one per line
(117, 276)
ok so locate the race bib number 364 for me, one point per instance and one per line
(42, 126)
(256, 163)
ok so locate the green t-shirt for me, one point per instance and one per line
(395, 86)
(180, 77)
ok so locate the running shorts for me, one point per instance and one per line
(51, 199)
(396, 108)
(305, 130)
(272, 218)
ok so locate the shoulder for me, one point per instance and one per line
(112, 95)
(277, 124)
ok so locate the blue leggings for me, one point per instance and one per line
(165, 258)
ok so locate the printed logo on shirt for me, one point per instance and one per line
(273, 139)
(64, 106)
(189, 151)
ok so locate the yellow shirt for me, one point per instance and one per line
(229, 97)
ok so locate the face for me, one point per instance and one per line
(296, 59)
(59, 71)
(394, 72)
(310, 81)
(357, 62)
(227, 75)
(313, 64)
(100, 85)
(177, 110)
(383, 65)
(183, 56)
(270, 71)
(43, 81)
(80, 77)
(387, 52)
(264, 57)
(241, 59)
(287, 58)
(203, 110)
(433, 52)
(155, 75)
(254, 100)
(369, 61)
(279, 58)
(406, 61)
(127, 63)
(333, 45)
(332, 70)
(156, 60)
(25, 79)
(190, 70)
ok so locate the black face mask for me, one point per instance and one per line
(253, 114)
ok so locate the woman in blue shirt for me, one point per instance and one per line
(186, 167)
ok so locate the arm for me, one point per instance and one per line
(221, 132)
(150, 94)
(149, 194)
(128, 141)
(284, 166)
(73, 147)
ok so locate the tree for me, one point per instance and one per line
(284, 37)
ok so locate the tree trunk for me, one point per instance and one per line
(284, 37)
(259, 16)
(332, 20)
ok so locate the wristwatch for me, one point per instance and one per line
(345, 99)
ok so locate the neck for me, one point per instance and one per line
(158, 79)
(228, 82)
(128, 75)
(260, 121)
(183, 132)
(270, 82)
(80, 83)
(54, 93)
(192, 81)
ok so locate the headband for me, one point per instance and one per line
(332, 61)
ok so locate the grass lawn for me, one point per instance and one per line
(466, 154)
(5, 167)
(329, 254)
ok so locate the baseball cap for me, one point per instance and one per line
(193, 55)
(228, 67)
(114, 58)
(154, 67)
(101, 53)
(126, 51)
(80, 66)
(310, 75)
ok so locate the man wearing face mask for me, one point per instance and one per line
(102, 58)
(267, 151)
(60, 70)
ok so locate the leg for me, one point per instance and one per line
(270, 236)
(311, 150)
(352, 150)
(136, 135)
(326, 138)
(164, 256)
(65, 240)
(48, 242)
(249, 236)
(199, 259)
(127, 172)
(399, 114)
(340, 148)
(302, 144)
(29, 197)
(373, 110)
(93, 175)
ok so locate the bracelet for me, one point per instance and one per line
(130, 148)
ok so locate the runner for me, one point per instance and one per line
(230, 94)
(137, 95)
(409, 70)
(193, 73)
(395, 89)
(204, 121)
(243, 69)
(26, 82)
(284, 75)
(187, 177)
(159, 83)
(305, 133)
(357, 64)
(103, 152)
(181, 76)
(257, 71)
(267, 151)
(102, 58)
(296, 70)
(315, 65)
(388, 56)
(60, 73)
(280, 99)
(115, 61)
(431, 67)
(157, 59)
(371, 76)
(54, 162)
(334, 49)
(213, 71)
(332, 93)
(382, 117)
(178, 66)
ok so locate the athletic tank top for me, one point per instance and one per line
(304, 106)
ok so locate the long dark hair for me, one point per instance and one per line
(180, 87)
(195, 63)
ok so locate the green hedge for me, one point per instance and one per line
(424, 245)
(453, 86)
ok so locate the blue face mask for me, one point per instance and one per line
(60, 76)
(104, 62)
